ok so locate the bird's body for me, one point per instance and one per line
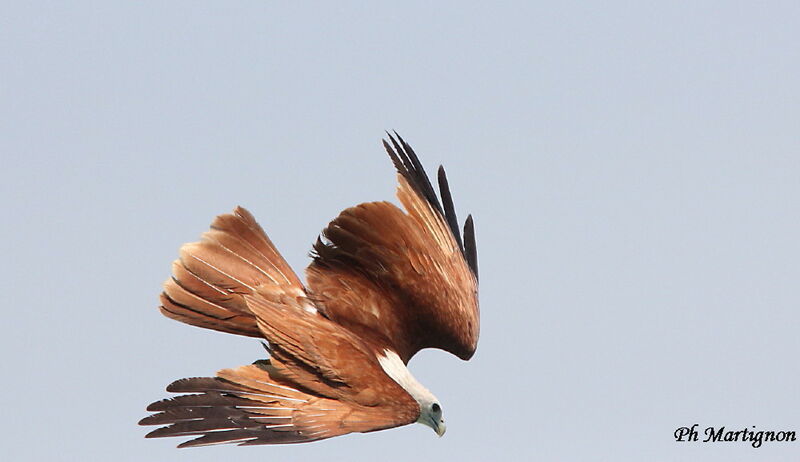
(382, 285)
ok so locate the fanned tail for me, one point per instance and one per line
(210, 279)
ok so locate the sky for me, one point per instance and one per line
(632, 168)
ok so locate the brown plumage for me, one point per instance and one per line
(382, 285)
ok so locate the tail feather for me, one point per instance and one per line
(235, 258)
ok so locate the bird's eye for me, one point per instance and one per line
(436, 408)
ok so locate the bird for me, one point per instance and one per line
(383, 283)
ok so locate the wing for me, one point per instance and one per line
(212, 276)
(248, 406)
(234, 280)
(406, 275)
(321, 380)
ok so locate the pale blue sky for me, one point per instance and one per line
(633, 169)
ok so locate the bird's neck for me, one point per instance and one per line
(394, 368)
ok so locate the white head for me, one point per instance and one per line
(430, 410)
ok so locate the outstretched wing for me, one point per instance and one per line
(247, 406)
(406, 275)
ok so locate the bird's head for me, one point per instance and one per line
(430, 411)
(430, 414)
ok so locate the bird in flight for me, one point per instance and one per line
(383, 284)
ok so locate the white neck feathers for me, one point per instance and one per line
(394, 368)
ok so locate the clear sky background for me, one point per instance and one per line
(633, 169)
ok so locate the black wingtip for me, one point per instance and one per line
(157, 406)
(470, 248)
(398, 165)
(176, 385)
(408, 165)
(449, 208)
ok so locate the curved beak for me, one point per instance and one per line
(440, 428)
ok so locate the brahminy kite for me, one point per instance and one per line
(383, 284)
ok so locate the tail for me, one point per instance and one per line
(211, 277)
